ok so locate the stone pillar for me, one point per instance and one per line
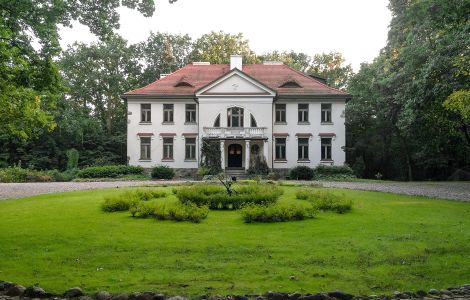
(247, 154)
(266, 152)
(222, 155)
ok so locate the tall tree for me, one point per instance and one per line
(96, 75)
(299, 61)
(163, 53)
(333, 67)
(216, 48)
(29, 85)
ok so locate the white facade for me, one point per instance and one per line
(216, 101)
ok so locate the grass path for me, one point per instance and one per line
(388, 242)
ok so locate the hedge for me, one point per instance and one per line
(216, 197)
(279, 212)
(110, 171)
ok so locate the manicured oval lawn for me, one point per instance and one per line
(388, 242)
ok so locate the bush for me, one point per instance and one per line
(334, 172)
(110, 171)
(147, 194)
(279, 212)
(120, 202)
(163, 172)
(173, 211)
(302, 173)
(216, 197)
(325, 200)
(258, 165)
(72, 159)
(18, 174)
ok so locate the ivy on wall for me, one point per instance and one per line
(210, 156)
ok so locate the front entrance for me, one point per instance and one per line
(235, 156)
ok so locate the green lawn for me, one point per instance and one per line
(388, 242)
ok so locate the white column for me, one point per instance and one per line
(266, 152)
(247, 154)
(222, 155)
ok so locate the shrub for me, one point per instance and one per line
(109, 171)
(302, 173)
(279, 212)
(72, 159)
(325, 200)
(120, 202)
(170, 211)
(210, 156)
(334, 172)
(258, 165)
(147, 194)
(163, 172)
(216, 197)
(18, 174)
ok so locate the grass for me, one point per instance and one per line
(387, 242)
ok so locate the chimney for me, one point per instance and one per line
(236, 61)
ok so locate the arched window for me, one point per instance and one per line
(235, 117)
(217, 121)
(253, 122)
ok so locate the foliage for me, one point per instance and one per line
(216, 48)
(216, 197)
(397, 120)
(120, 202)
(279, 212)
(210, 156)
(333, 67)
(359, 167)
(323, 172)
(181, 212)
(18, 174)
(325, 200)
(109, 171)
(163, 172)
(72, 159)
(258, 165)
(302, 173)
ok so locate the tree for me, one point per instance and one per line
(29, 82)
(298, 61)
(96, 75)
(163, 53)
(216, 48)
(333, 67)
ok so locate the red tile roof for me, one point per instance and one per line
(273, 76)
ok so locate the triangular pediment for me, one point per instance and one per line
(235, 83)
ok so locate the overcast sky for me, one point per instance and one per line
(358, 28)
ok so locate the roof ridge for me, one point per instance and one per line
(318, 81)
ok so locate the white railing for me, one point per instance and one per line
(235, 132)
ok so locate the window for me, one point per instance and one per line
(168, 148)
(326, 113)
(326, 148)
(280, 149)
(217, 121)
(303, 148)
(280, 113)
(190, 148)
(235, 117)
(145, 148)
(253, 122)
(303, 113)
(190, 113)
(167, 113)
(290, 84)
(145, 113)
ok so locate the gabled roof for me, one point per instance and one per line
(271, 76)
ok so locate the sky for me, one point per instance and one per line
(356, 28)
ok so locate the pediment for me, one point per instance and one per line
(235, 83)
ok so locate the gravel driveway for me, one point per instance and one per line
(445, 190)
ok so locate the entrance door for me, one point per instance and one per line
(235, 156)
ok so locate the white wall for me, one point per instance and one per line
(211, 107)
(315, 128)
(157, 127)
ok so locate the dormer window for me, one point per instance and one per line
(183, 84)
(290, 84)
